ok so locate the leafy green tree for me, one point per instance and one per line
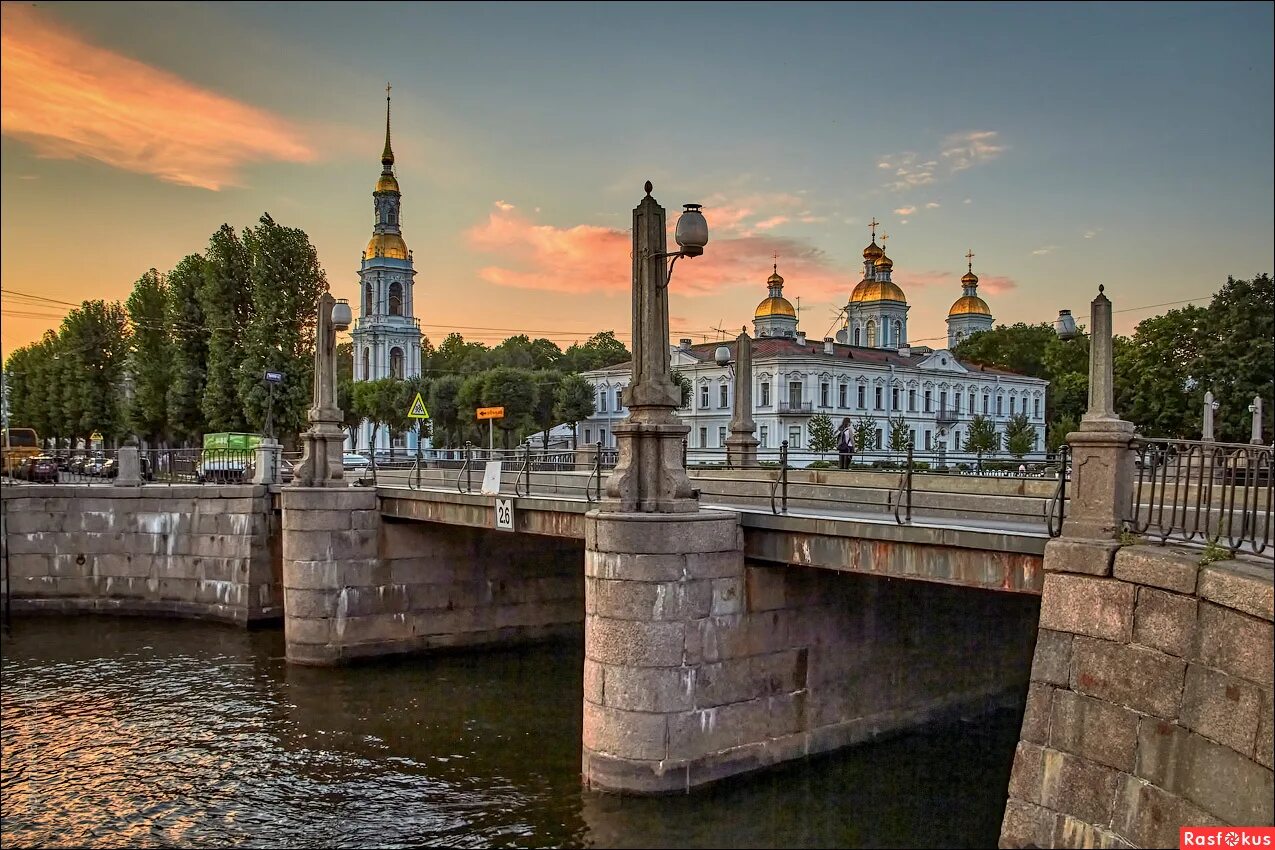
(684, 383)
(286, 282)
(521, 352)
(382, 403)
(865, 433)
(188, 350)
(1057, 432)
(515, 390)
(1154, 372)
(150, 360)
(547, 381)
(444, 411)
(602, 350)
(900, 434)
(226, 300)
(1020, 436)
(1240, 347)
(457, 357)
(822, 440)
(574, 403)
(95, 340)
(981, 438)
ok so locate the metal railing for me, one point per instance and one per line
(1203, 492)
(595, 476)
(781, 482)
(155, 466)
(903, 495)
(796, 406)
(1055, 511)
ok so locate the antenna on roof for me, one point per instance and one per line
(722, 332)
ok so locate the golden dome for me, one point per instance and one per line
(872, 251)
(387, 183)
(774, 307)
(876, 290)
(884, 262)
(969, 277)
(969, 305)
(774, 278)
(388, 245)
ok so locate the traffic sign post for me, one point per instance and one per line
(271, 379)
(491, 414)
(418, 412)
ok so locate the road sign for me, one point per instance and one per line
(491, 413)
(274, 377)
(418, 410)
(96, 436)
(505, 514)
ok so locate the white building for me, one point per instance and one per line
(880, 378)
(387, 334)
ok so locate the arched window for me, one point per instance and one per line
(872, 334)
(367, 364)
(389, 216)
(369, 305)
(856, 337)
(898, 333)
(396, 362)
(396, 299)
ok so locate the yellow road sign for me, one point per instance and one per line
(418, 410)
(96, 436)
(491, 413)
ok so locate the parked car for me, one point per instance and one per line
(218, 467)
(354, 463)
(39, 469)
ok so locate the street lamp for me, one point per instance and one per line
(741, 445)
(1065, 326)
(1210, 407)
(321, 462)
(1255, 436)
(649, 476)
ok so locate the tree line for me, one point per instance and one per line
(1162, 371)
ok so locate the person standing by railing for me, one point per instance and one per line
(845, 443)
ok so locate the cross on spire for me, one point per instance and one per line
(387, 155)
(873, 224)
(969, 259)
(884, 237)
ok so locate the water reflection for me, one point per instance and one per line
(150, 733)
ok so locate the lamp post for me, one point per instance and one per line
(1210, 406)
(649, 476)
(1255, 436)
(321, 461)
(741, 445)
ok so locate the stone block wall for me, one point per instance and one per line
(207, 552)
(700, 664)
(1150, 703)
(357, 585)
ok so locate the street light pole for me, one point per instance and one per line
(741, 445)
(649, 476)
(321, 461)
(1206, 429)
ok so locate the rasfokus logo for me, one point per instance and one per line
(1226, 836)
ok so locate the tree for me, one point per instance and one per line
(381, 402)
(515, 390)
(684, 383)
(188, 350)
(981, 438)
(286, 282)
(1057, 433)
(865, 433)
(455, 356)
(1240, 346)
(150, 361)
(444, 410)
(900, 434)
(574, 403)
(1154, 371)
(226, 300)
(602, 350)
(547, 381)
(522, 352)
(1020, 436)
(822, 439)
(95, 340)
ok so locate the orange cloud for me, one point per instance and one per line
(987, 284)
(588, 258)
(70, 99)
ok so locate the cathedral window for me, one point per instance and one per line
(390, 217)
(396, 363)
(367, 364)
(856, 336)
(872, 334)
(396, 298)
(898, 333)
(369, 305)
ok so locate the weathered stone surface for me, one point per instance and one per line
(1165, 567)
(1097, 730)
(1165, 621)
(1026, 825)
(1026, 777)
(632, 643)
(1266, 719)
(1090, 557)
(1142, 679)
(1071, 831)
(766, 588)
(667, 533)
(625, 734)
(656, 689)
(728, 596)
(694, 734)
(1212, 776)
(1087, 606)
(1052, 659)
(1235, 643)
(1076, 786)
(1151, 817)
(1036, 714)
(1243, 584)
(1222, 708)
(642, 600)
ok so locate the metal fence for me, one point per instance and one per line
(156, 466)
(1203, 492)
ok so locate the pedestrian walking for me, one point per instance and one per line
(845, 443)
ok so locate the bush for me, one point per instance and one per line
(822, 464)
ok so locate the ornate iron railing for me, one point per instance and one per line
(1203, 492)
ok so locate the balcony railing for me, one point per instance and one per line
(795, 407)
(947, 415)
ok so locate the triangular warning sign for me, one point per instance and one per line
(418, 410)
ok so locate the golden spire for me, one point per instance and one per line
(387, 155)
(969, 259)
(969, 278)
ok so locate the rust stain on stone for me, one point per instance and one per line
(1232, 693)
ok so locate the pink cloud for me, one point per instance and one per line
(990, 284)
(70, 99)
(771, 223)
(588, 258)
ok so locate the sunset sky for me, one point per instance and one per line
(1066, 145)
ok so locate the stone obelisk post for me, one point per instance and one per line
(741, 445)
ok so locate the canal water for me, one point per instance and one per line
(147, 733)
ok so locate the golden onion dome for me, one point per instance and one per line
(775, 279)
(969, 305)
(872, 251)
(387, 245)
(969, 277)
(387, 183)
(876, 290)
(774, 306)
(884, 262)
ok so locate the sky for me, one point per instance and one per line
(1065, 145)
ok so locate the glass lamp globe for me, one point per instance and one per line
(341, 316)
(692, 231)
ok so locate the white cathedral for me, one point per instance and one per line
(867, 371)
(387, 334)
